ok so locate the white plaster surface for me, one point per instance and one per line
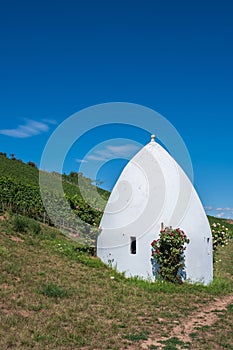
(153, 189)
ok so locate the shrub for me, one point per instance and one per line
(19, 224)
(168, 254)
(220, 235)
(35, 227)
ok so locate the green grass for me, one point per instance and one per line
(19, 171)
(171, 344)
(55, 295)
(217, 336)
(28, 175)
(227, 223)
(53, 291)
(137, 336)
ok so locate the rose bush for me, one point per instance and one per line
(168, 254)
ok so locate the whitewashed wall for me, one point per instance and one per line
(151, 190)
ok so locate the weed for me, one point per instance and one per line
(203, 328)
(37, 307)
(171, 344)
(53, 291)
(193, 335)
(137, 336)
(122, 325)
(43, 338)
(4, 251)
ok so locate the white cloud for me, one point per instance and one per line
(220, 215)
(123, 150)
(81, 161)
(28, 129)
(96, 157)
(49, 121)
(113, 152)
(219, 212)
(209, 208)
(224, 209)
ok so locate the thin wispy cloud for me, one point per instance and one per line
(224, 209)
(220, 215)
(220, 212)
(49, 121)
(29, 128)
(113, 152)
(208, 208)
(81, 161)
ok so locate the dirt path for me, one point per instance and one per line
(206, 316)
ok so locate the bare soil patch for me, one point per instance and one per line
(16, 239)
(206, 316)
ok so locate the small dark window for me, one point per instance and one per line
(133, 245)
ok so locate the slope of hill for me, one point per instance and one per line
(20, 192)
(29, 174)
(55, 296)
(18, 170)
(227, 223)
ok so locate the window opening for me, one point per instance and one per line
(133, 247)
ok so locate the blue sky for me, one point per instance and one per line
(58, 57)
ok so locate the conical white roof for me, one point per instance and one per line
(151, 191)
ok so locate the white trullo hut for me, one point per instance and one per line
(151, 191)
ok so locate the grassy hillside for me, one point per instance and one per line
(19, 171)
(20, 193)
(55, 296)
(28, 174)
(227, 223)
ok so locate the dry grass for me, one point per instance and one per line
(52, 297)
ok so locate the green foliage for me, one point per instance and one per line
(137, 336)
(34, 227)
(20, 198)
(81, 253)
(168, 253)
(53, 291)
(83, 182)
(20, 194)
(32, 164)
(20, 224)
(23, 224)
(220, 235)
(26, 200)
(128, 308)
(4, 251)
(170, 344)
(18, 171)
(226, 222)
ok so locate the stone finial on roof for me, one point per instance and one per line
(152, 138)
